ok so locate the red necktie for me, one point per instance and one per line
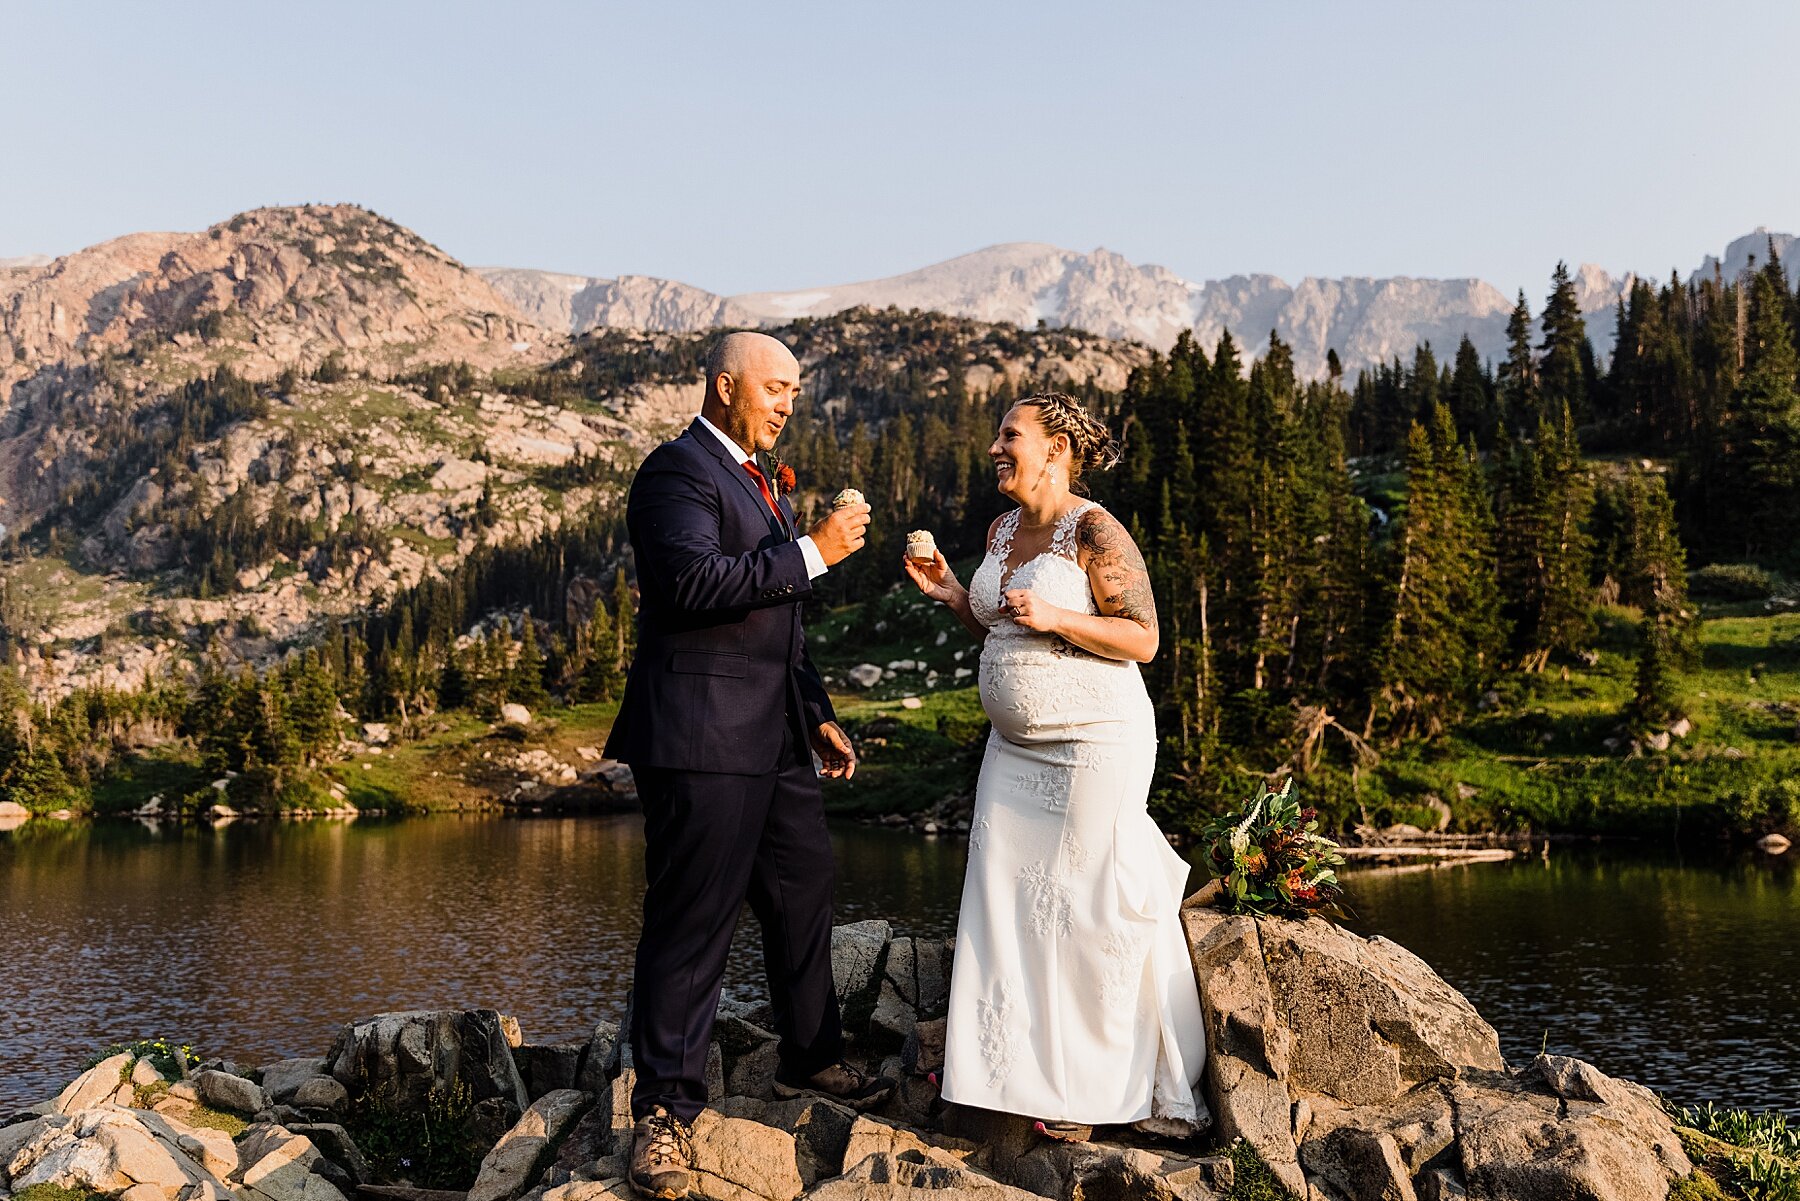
(762, 481)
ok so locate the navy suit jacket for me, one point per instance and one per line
(721, 656)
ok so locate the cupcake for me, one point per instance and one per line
(849, 496)
(922, 546)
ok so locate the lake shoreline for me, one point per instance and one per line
(359, 1115)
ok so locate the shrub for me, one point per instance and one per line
(1735, 582)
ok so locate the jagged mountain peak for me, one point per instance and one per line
(289, 285)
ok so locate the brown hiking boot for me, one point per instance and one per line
(841, 1082)
(662, 1151)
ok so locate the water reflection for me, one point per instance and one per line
(1679, 974)
(257, 940)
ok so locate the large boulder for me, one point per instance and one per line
(405, 1057)
(515, 1161)
(1563, 1128)
(1358, 1074)
(738, 1160)
(1369, 1019)
(1247, 1043)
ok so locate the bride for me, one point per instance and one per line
(1072, 999)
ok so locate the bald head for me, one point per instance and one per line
(752, 381)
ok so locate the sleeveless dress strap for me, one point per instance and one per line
(1003, 536)
(1062, 540)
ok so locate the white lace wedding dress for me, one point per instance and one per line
(1072, 996)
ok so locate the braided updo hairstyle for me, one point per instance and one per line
(1091, 445)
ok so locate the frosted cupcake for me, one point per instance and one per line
(849, 496)
(922, 546)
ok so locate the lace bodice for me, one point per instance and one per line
(1055, 575)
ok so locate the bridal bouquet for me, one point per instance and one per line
(1271, 859)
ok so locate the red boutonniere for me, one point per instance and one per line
(784, 479)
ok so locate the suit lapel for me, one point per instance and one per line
(732, 468)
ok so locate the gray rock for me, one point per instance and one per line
(547, 1067)
(322, 1093)
(1368, 1018)
(923, 1051)
(515, 1161)
(920, 971)
(1360, 1165)
(752, 1074)
(1518, 1144)
(821, 1130)
(601, 1059)
(279, 1164)
(281, 1079)
(233, 1094)
(1247, 1045)
(1082, 1170)
(892, 1020)
(858, 951)
(906, 1176)
(335, 1144)
(864, 675)
(403, 1057)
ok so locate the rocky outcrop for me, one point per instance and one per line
(1356, 1072)
(1352, 1070)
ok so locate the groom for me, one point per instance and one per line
(722, 714)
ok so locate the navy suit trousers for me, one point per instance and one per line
(714, 840)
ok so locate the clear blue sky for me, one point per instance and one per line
(753, 146)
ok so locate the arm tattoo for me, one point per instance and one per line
(1114, 557)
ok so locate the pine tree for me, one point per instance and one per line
(1471, 395)
(525, 682)
(1545, 501)
(1760, 464)
(1566, 365)
(1518, 382)
(1444, 629)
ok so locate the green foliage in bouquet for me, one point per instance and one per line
(1271, 858)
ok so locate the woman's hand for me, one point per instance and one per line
(1032, 612)
(934, 579)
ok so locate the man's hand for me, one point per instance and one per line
(833, 748)
(840, 534)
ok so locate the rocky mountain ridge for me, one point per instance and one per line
(247, 434)
(1366, 320)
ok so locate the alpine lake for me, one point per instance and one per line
(256, 940)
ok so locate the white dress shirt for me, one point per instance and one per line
(815, 562)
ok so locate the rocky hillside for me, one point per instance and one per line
(244, 434)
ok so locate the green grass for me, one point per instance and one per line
(444, 769)
(1252, 1179)
(55, 1192)
(1747, 1170)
